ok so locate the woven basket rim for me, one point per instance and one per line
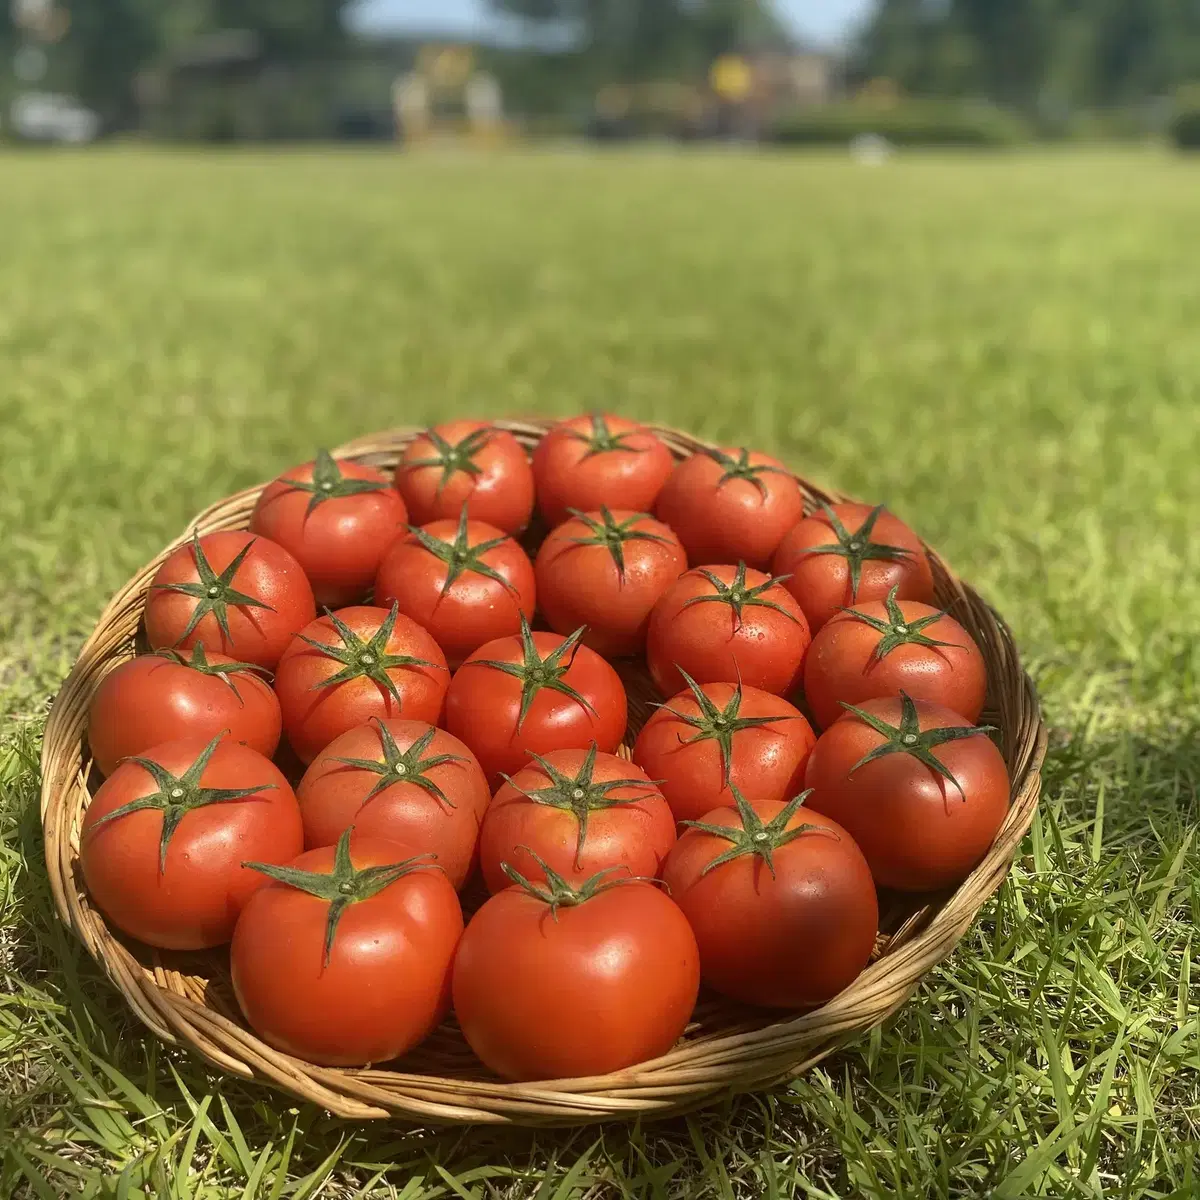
(755, 1050)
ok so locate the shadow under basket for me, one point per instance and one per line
(187, 1000)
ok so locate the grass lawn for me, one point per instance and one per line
(1004, 350)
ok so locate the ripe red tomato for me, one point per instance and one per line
(587, 462)
(467, 463)
(193, 598)
(607, 570)
(883, 648)
(781, 901)
(710, 737)
(730, 505)
(162, 841)
(464, 581)
(344, 959)
(349, 666)
(580, 812)
(847, 554)
(617, 953)
(336, 519)
(721, 624)
(162, 697)
(532, 694)
(920, 789)
(403, 781)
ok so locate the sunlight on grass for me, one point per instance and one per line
(1002, 349)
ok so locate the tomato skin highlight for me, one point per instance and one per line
(483, 707)
(789, 941)
(333, 796)
(841, 665)
(767, 761)
(735, 520)
(151, 699)
(914, 829)
(501, 494)
(636, 834)
(822, 582)
(314, 715)
(257, 635)
(386, 985)
(582, 585)
(765, 649)
(474, 609)
(567, 476)
(610, 983)
(194, 902)
(341, 541)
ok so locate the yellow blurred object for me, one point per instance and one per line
(446, 67)
(879, 93)
(731, 78)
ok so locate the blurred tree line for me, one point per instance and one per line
(1046, 57)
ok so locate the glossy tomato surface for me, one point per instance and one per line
(465, 581)
(721, 624)
(919, 830)
(882, 648)
(234, 593)
(373, 990)
(533, 694)
(184, 892)
(158, 698)
(599, 460)
(718, 734)
(790, 934)
(730, 505)
(593, 988)
(403, 781)
(355, 664)
(471, 464)
(819, 556)
(337, 520)
(606, 570)
(580, 812)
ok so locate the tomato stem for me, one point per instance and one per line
(601, 439)
(178, 795)
(856, 547)
(580, 794)
(613, 534)
(755, 836)
(452, 457)
(344, 885)
(896, 631)
(908, 738)
(460, 556)
(741, 468)
(739, 596)
(408, 766)
(557, 892)
(222, 671)
(328, 483)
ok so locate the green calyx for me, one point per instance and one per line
(536, 673)
(601, 439)
(558, 893)
(222, 671)
(369, 660)
(907, 738)
(856, 547)
(613, 534)
(344, 885)
(580, 794)
(896, 631)
(328, 483)
(756, 836)
(452, 457)
(741, 468)
(214, 593)
(178, 795)
(720, 725)
(739, 595)
(460, 556)
(407, 766)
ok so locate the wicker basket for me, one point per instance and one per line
(186, 999)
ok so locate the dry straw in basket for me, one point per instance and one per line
(187, 999)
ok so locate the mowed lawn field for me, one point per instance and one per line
(1002, 349)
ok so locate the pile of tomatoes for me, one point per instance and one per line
(317, 790)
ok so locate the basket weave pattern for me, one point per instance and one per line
(186, 999)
